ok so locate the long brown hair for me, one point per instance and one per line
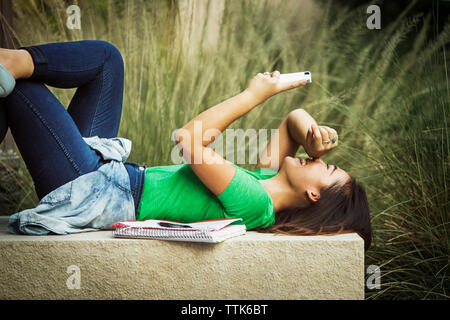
(340, 209)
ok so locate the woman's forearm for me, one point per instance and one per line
(204, 128)
(216, 119)
(299, 123)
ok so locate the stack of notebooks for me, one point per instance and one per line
(211, 231)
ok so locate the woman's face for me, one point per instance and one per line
(308, 174)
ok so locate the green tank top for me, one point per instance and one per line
(175, 193)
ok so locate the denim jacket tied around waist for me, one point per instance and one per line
(90, 202)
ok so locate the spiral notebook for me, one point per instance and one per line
(211, 231)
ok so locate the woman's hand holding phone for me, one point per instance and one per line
(319, 139)
(264, 86)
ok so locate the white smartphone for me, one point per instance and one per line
(296, 76)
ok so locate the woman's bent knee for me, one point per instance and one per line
(112, 52)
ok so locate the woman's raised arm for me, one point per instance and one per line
(193, 138)
(291, 134)
(297, 129)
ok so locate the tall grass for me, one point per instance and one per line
(385, 91)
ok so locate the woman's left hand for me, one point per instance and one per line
(320, 140)
(264, 86)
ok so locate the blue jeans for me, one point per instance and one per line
(48, 136)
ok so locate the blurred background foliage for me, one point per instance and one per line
(385, 91)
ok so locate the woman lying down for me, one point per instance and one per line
(84, 183)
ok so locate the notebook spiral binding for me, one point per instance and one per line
(160, 233)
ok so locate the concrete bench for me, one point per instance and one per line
(255, 266)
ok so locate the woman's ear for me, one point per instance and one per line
(312, 195)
